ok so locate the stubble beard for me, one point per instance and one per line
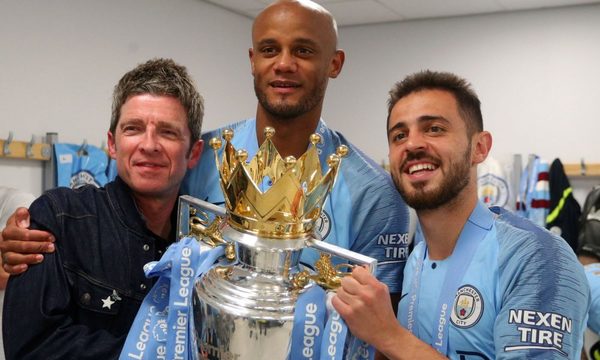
(283, 110)
(452, 185)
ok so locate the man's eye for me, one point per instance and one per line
(398, 137)
(131, 128)
(304, 51)
(436, 129)
(170, 133)
(268, 50)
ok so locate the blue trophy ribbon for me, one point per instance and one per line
(358, 349)
(309, 318)
(319, 333)
(334, 338)
(162, 327)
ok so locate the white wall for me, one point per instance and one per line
(60, 59)
(537, 72)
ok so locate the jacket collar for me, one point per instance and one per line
(122, 202)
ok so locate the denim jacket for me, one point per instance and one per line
(80, 302)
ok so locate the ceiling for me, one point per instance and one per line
(360, 12)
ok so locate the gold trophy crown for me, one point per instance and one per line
(290, 204)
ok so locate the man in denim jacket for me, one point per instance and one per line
(81, 301)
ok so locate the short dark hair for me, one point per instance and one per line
(468, 103)
(161, 77)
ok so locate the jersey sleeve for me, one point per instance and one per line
(379, 221)
(544, 296)
(202, 181)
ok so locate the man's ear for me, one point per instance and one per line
(337, 63)
(251, 57)
(112, 146)
(195, 153)
(482, 144)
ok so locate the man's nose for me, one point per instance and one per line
(286, 62)
(150, 142)
(415, 140)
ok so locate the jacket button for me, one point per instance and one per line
(86, 298)
(143, 286)
(146, 247)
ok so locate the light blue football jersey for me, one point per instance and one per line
(592, 272)
(363, 213)
(523, 295)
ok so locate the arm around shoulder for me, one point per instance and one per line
(21, 246)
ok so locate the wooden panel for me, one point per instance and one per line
(576, 170)
(18, 150)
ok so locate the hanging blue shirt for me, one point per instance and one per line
(363, 213)
(522, 295)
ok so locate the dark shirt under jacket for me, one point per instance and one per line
(80, 302)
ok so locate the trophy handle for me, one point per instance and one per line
(195, 221)
(354, 257)
(328, 276)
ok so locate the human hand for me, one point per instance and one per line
(21, 246)
(3, 274)
(364, 304)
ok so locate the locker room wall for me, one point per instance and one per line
(59, 62)
(536, 72)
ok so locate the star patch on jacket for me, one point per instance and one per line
(110, 300)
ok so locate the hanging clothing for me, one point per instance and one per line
(564, 209)
(534, 195)
(492, 183)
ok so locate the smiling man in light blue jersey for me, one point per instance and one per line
(293, 55)
(482, 283)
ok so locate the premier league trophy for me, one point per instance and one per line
(243, 308)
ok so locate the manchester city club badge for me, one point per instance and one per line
(468, 307)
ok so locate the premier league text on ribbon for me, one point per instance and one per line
(187, 276)
(311, 330)
(144, 337)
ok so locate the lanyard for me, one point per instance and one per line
(458, 262)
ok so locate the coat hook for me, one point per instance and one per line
(6, 147)
(29, 148)
(583, 167)
(83, 148)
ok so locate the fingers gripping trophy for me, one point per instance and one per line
(258, 302)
